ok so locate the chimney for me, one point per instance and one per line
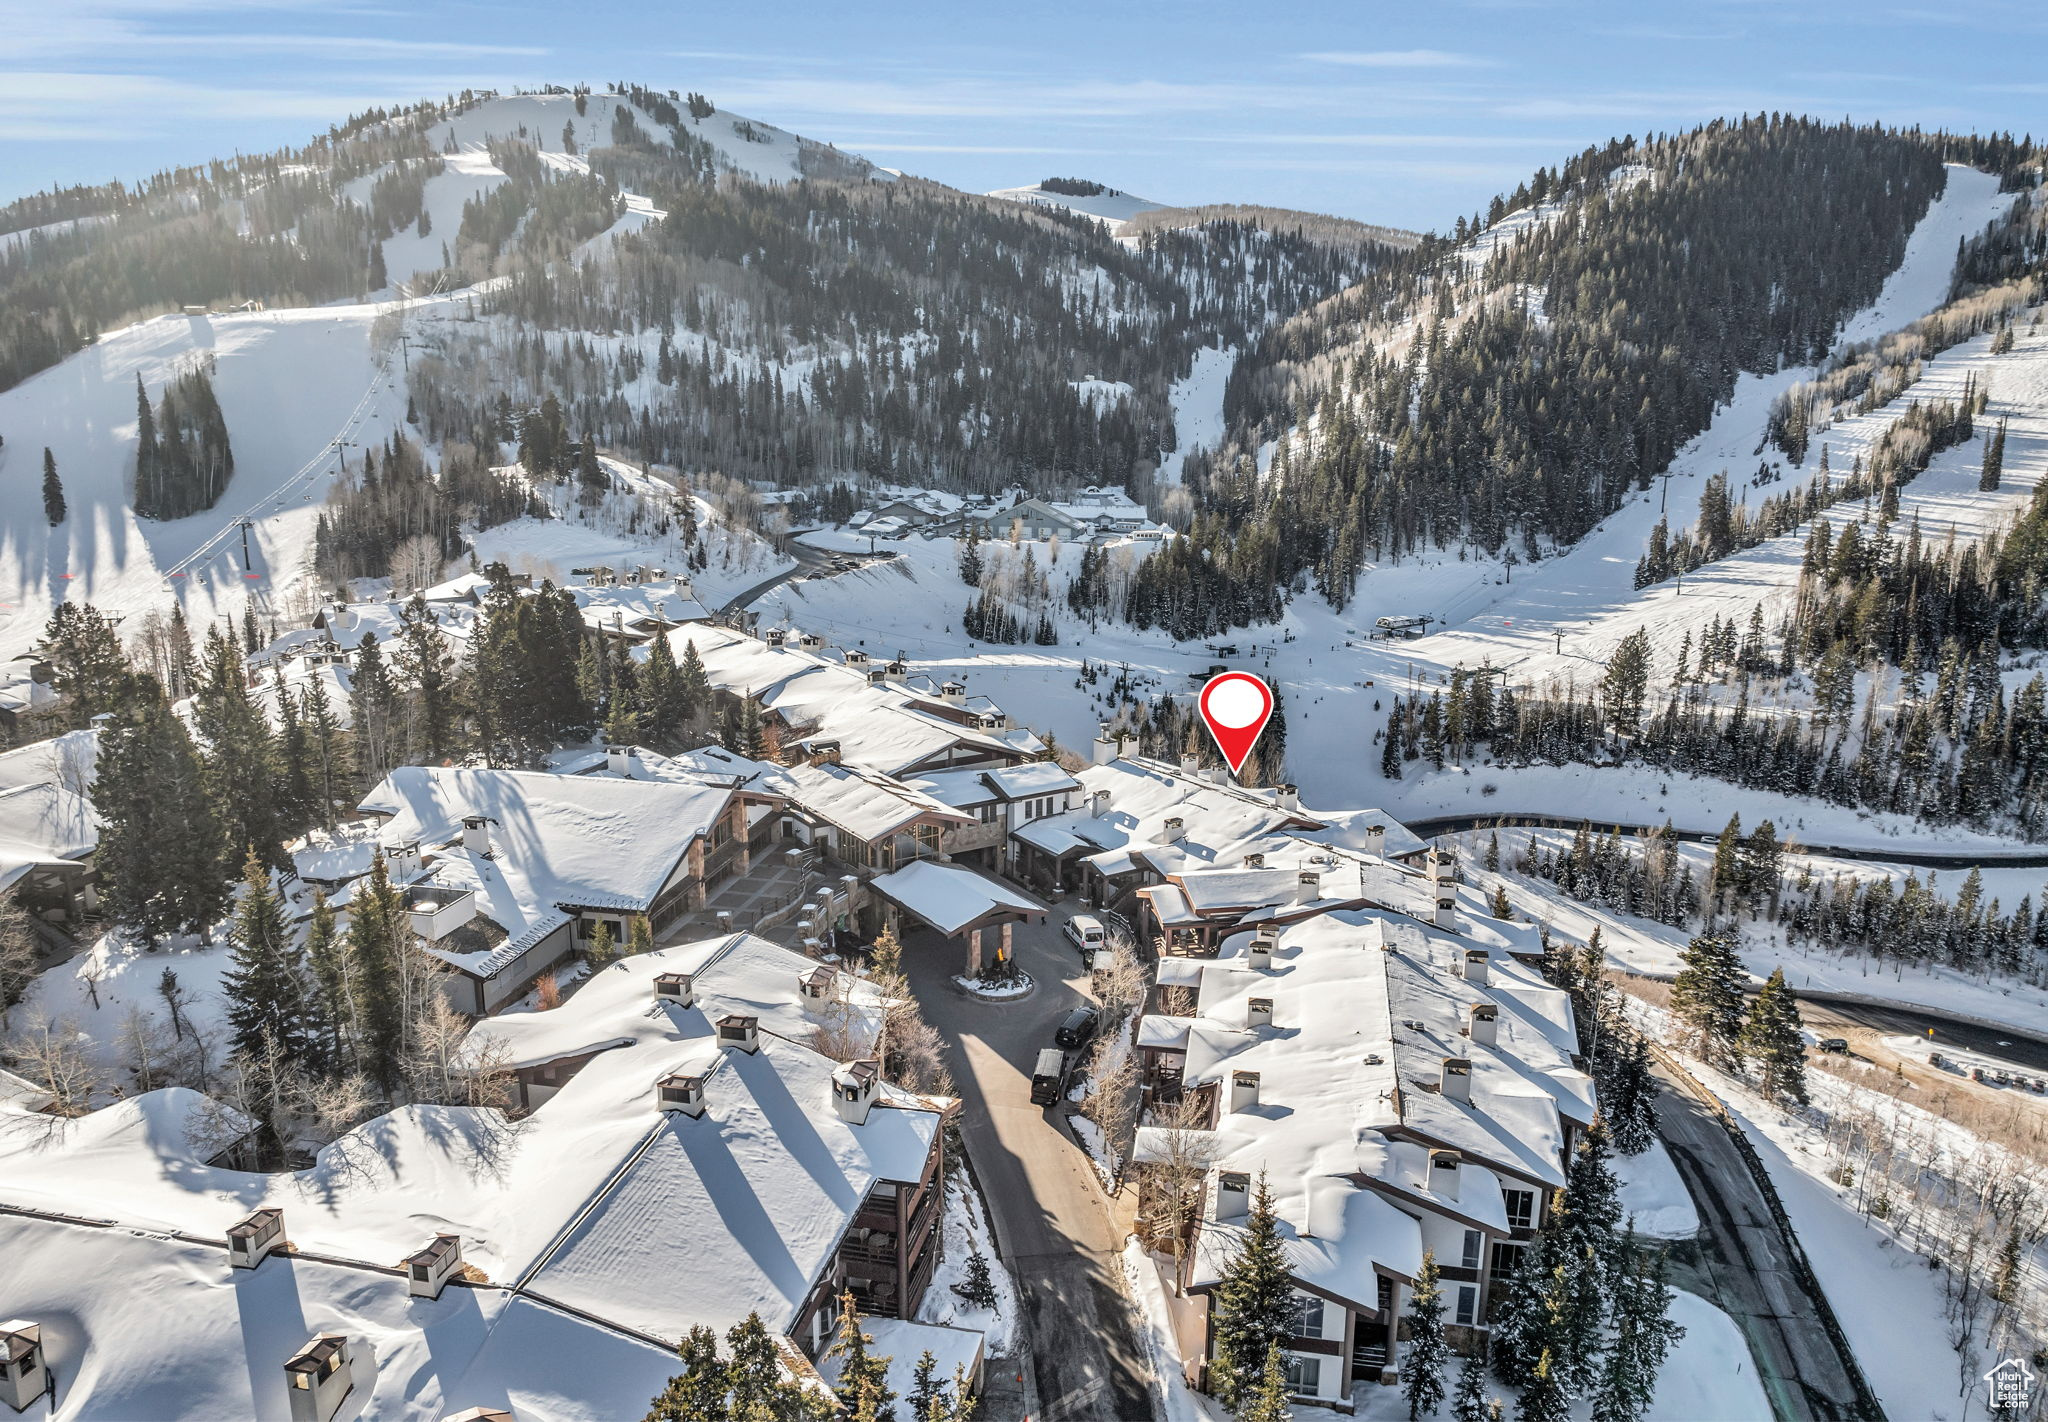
(1443, 1173)
(811, 642)
(1457, 1079)
(1255, 861)
(252, 1239)
(1483, 1023)
(1446, 910)
(428, 1272)
(318, 1378)
(677, 988)
(855, 657)
(1244, 1090)
(896, 671)
(740, 1032)
(1233, 1195)
(618, 758)
(824, 753)
(952, 691)
(853, 1090)
(1376, 840)
(1308, 886)
(1190, 764)
(1261, 954)
(1098, 804)
(775, 636)
(878, 676)
(680, 1092)
(1434, 863)
(1290, 798)
(1476, 964)
(403, 862)
(24, 1376)
(1175, 830)
(1258, 1012)
(1103, 750)
(475, 837)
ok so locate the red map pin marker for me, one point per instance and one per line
(1236, 706)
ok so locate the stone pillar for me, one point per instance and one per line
(974, 954)
(739, 818)
(1007, 950)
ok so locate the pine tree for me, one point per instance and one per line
(1253, 1304)
(863, 1387)
(598, 947)
(1493, 852)
(327, 748)
(1267, 1400)
(376, 922)
(698, 1392)
(160, 846)
(1994, 458)
(89, 671)
(266, 986)
(1706, 996)
(1501, 908)
(240, 757)
(1772, 1040)
(1627, 682)
(1468, 1402)
(979, 1287)
(641, 935)
(373, 711)
(327, 958)
(929, 1398)
(1422, 1369)
(1643, 1336)
(661, 696)
(1627, 1091)
(1544, 1398)
(53, 490)
(427, 671)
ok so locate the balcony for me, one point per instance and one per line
(963, 839)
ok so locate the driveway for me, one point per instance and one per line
(1055, 1228)
(1741, 1262)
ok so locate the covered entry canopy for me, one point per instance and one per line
(956, 902)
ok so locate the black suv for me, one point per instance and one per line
(1076, 1029)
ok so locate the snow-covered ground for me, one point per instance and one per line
(1197, 400)
(1654, 1197)
(967, 1230)
(1110, 206)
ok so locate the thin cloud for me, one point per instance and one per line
(1400, 59)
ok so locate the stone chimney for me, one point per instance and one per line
(252, 1239)
(680, 1092)
(1446, 910)
(1443, 1173)
(824, 753)
(1190, 764)
(1290, 798)
(1260, 955)
(1103, 750)
(1174, 831)
(618, 758)
(1483, 1023)
(740, 1032)
(1244, 1090)
(476, 835)
(679, 989)
(1476, 965)
(1258, 1012)
(853, 1091)
(428, 1272)
(1376, 840)
(1457, 1079)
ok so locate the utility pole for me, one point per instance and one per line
(247, 567)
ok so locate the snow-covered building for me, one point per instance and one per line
(1004, 799)
(1401, 1089)
(48, 826)
(864, 710)
(596, 1227)
(506, 873)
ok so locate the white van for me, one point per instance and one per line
(1088, 934)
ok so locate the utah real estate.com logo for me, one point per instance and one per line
(2010, 1387)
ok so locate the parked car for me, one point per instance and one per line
(1048, 1077)
(1833, 1044)
(1076, 1029)
(1087, 932)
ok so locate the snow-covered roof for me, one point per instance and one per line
(1220, 822)
(949, 897)
(1364, 1009)
(1339, 1233)
(638, 608)
(597, 1200)
(1035, 777)
(70, 760)
(864, 803)
(44, 824)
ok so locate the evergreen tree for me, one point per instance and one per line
(661, 696)
(1706, 996)
(373, 711)
(327, 956)
(160, 846)
(88, 669)
(1253, 1304)
(698, 1392)
(1544, 1397)
(1994, 458)
(1267, 1400)
(266, 987)
(979, 1288)
(1627, 682)
(1772, 1040)
(929, 1398)
(375, 941)
(1627, 1090)
(327, 749)
(1643, 1336)
(1501, 908)
(863, 1387)
(1422, 1369)
(1468, 1402)
(641, 935)
(53, 490)
(427, 671)
(240, 753)
(597, 949)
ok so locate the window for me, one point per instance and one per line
(1473, 1240)
(1507, 1258)
(988, 813)
(1521, 1207)
(1308, 1317)
(1304, 1375)
(1468, 1304)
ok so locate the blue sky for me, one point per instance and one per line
(1400, 114)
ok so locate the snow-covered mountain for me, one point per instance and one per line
(1108, 204)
